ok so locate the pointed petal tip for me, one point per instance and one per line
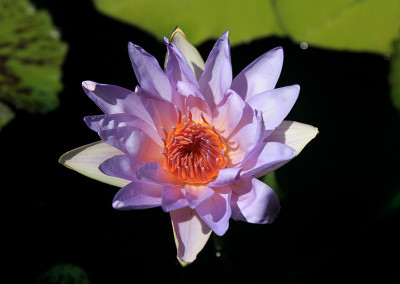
(296, 88)
(277, 50)
(117, 204)
(132, 46)
(316, 131)
(63, 160)
(175, 31)
(89, 85)
(166, 40)
(182, 263)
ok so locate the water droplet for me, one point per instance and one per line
(304, 45)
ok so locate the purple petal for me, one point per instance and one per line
(173, 198)
(216, 211)
(217, 75)
(148, 72)
(275, 104)
(116, 100)
(241, 142)
(177, 68)
(247, 141)
(254, 202)
(100, 123)
(260, 76)
(109, 98)
(191, 234)
(121, 166)
(225, 177)
(193, 99)
(196, 194)
(134, 142)
(228, 113)
(161, 111)
(191, 54)
(271, 155)
(137, 195)
(153, 172)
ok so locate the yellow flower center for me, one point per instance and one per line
(194, 152)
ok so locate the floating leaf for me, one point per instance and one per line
(31, 55)
(6, 115)
(394, 76)
(200, 20)
(357, 25)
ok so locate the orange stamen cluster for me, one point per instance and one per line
(194, 152)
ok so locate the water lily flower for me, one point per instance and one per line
(193, 140)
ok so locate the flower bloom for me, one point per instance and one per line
(192, 140)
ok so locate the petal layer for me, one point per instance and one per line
(225, 177)
(137, 195)
(228, 113)
(121, 166)
(153, 172)
(134, 142)
(275, 104)
(100, 123)
(173, 198)
(271, 156)
(216, 211)
(190, 53)
(196, 194)
(254, 202)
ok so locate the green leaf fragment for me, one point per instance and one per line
(64, 274)
(394, 75)
(6, 115)
(31, 56)
(356, 25)
(271, 181)
(200, 20)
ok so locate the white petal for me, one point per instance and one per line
(191, 54)
(190, 233)
(87, 159)
(294, 134)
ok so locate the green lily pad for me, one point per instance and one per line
(31, 56)
(356, 25)
(200, 20)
